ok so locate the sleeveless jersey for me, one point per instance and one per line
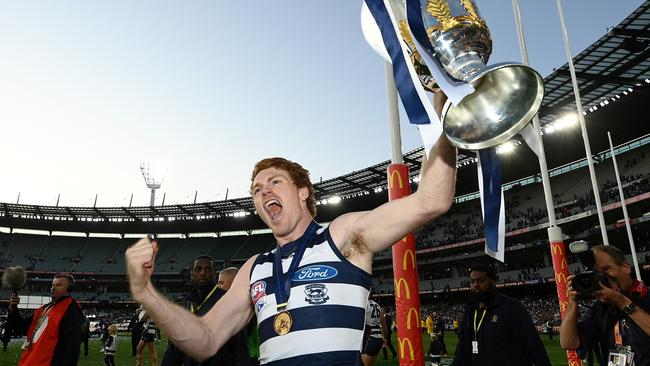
(327, 304)
(148, 331)
(373, 320)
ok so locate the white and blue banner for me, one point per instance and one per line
(533, 140)
(492, 204)
(415, 100)
(419, 108)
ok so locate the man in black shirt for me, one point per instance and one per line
(85, 332)
(389, 334)
(135, 327)
(199, 301)
(439, 330)
(496, 330)
(55, 326)
(617, 322)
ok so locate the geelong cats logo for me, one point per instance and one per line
(316, 294)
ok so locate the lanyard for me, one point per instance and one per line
(41, 318)
(618, 339)
(476, 328)
(204, 300)
(282, 281)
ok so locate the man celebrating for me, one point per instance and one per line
(54, 331)
(496, 330)
(313, 288)
(617, 324)
(203, 296)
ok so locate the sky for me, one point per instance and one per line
(90, 89)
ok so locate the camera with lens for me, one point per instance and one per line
(586, 283)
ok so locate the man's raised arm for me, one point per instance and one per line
(201, 337)
(387, 224)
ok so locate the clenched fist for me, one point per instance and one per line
(140, 259)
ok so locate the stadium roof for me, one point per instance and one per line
(612, 76)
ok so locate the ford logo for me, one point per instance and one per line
(315, 273)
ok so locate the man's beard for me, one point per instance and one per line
(482, 296)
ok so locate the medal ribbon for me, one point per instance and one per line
(282, 282)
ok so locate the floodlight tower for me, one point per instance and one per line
(153, 174)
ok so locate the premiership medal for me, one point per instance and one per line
(282, 323)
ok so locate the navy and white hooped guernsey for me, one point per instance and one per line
(327, 304)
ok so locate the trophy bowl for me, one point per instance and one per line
(506, 96)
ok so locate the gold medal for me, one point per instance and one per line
(282, 323)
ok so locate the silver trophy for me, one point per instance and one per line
(507, 95)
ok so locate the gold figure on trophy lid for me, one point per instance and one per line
(439, 10)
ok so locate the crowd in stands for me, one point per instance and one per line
(542, 309)
(525, 209)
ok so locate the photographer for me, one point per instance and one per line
(617, 325)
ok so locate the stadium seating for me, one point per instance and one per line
(439, 271)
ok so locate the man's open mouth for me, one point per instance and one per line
(273, 209)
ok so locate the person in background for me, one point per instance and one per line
(135, 327)
(5, 333)
(439, 330)
(388, 342)
(85, 332)
(548, 328)
(435, 349)
(496, 330)
(617, 324)
(148, 340)
(374, 333)
(110, 346)
(54, 331)
(428, 324)
(204, 294)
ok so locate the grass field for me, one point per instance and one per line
(124, 358)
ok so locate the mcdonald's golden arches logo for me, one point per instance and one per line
(556, 249)
(398, 288)
(391, 179)
(406, 254)
(402, 345)
(560, 278)
(408, 318)
(564, 263)
(563, 306)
